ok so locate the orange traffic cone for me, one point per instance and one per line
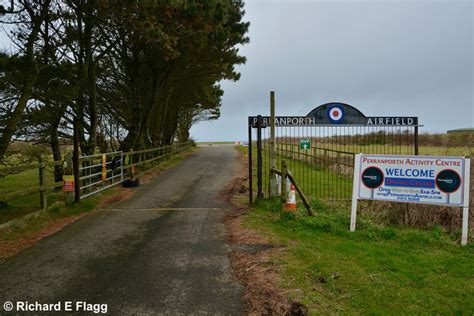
(290, 204)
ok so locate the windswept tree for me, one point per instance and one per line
(22, 69)
(132, 74)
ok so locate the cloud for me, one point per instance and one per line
(383, 57)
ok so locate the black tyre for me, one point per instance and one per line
(129, 183)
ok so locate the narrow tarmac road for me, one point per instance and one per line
(162, 251)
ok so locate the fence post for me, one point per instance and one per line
(273, 188)
(76, 162)
(259, 158)
(68, 171)
(42, 183)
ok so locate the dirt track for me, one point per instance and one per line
(162, 251)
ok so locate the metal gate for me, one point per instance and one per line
(100, 172)
(319, 148)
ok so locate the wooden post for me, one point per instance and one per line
(76, 162)
(284, 175)
(301, 194)
(68, 171)
(273, 188)
(42, 183)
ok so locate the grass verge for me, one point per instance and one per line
(375, 270)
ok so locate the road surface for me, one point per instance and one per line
(162, 251)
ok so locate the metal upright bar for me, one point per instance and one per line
(259, 157)
(272, 187)
(250, 166)
(416, 140)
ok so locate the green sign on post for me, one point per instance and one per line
(305, 144)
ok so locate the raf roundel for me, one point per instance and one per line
(336, 114)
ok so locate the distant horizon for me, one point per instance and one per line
(245, 140)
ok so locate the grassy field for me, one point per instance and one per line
(375, 270)
(315, 182)
(395, 150)
(28, 203)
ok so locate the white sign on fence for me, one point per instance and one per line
(412, 179)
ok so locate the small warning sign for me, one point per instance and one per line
(68, 183)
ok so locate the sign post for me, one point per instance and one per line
(465, 209)
(412, 179)
(355, 189)
(273, 188)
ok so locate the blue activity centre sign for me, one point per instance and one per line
(412, 179)
(417, 179)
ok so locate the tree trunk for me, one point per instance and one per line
(92, 107)
(15, 117)
(56, 149)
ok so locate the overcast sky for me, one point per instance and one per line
(393, 58)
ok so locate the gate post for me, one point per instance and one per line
(259, 157)
(273, 188)
(68, 172)
(250, 166)
(75, 162)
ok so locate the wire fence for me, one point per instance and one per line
(321, 158)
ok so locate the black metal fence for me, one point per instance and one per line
(321, 156)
